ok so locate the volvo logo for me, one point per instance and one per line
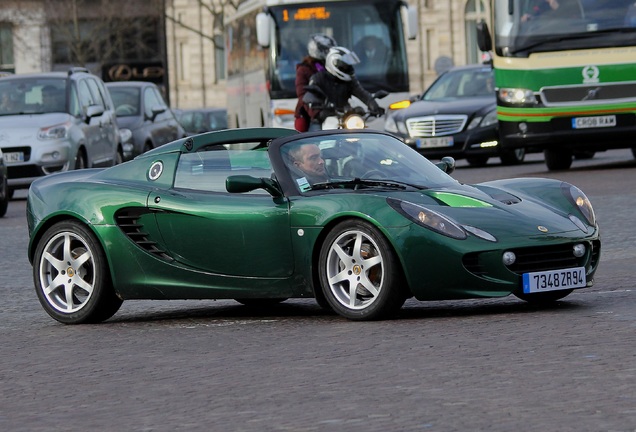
(590, 74)
(592, 94)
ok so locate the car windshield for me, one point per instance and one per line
(126, 100)
(461, 83)
(32, 96)
(359, 161)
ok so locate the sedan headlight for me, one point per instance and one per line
(58, 131)
(580, 200)
(487, 120)
(517, 96)
(390, 125)
(428, 218)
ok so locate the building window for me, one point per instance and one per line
(6, 48)
(475, 11)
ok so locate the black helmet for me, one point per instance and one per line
(319, 44)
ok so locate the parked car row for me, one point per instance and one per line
(59, 121)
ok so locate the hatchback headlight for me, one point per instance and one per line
(428, 218)
(58, 131)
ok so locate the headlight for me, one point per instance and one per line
(428, 218)
(354, 121)
(580, 200)
(517, 96)
(58, 131)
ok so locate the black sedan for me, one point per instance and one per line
(141, 109)
(456, 116)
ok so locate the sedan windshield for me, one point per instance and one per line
(461, 83)
(359, 161)
(126, 100)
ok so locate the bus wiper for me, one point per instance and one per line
(358, 182)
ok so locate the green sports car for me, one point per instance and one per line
(355, 219)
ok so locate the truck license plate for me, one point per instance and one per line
(594, 122)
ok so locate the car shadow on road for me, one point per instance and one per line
(302, 309)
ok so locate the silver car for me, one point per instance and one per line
(57, 121)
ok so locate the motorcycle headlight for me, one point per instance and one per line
(580, 200)
(517, 96)
(428, 219)
(354, 121)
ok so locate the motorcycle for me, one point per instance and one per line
(333, 117)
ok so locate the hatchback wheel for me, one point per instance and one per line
(360, 275)
(71, 276)
(80, 160)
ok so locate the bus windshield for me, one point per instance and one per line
(372, 29)
(526, 26)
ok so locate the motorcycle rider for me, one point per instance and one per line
(317, 49)
(338, 83)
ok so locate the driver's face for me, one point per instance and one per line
(310, 161)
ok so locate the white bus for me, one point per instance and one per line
(267, 38)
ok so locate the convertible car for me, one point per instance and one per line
(355, 219)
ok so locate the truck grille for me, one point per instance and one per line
(439, 125)
(588, 94)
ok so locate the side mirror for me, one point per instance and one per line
(380, 94)
(484, 41)
(245, 183)
(447, 164)
(263, 23)
(156, 110)
(93, 111)
(412, 21)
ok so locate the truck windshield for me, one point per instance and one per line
(526, 26)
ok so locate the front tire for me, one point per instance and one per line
(4, 197)
(359, 273)
(71, 276)
(557, 160)
(513, 157)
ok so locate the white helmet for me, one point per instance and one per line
(319, 44)
(340, 62)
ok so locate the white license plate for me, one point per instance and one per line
(594, 122)
(554, 280)
(434, 142)
(14, 157)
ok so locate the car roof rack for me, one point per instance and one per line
(77, 69)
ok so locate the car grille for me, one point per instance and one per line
(438, 125)
(541, 258)
(588, 94)
(128, 221)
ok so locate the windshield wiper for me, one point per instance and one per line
(358, 182)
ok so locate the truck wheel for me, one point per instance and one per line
(557, 160)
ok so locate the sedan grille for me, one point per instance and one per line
(438, 125)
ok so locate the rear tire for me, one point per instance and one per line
(557, 160)
(71, 275)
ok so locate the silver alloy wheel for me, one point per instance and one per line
(355, 269)
(67, 272)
